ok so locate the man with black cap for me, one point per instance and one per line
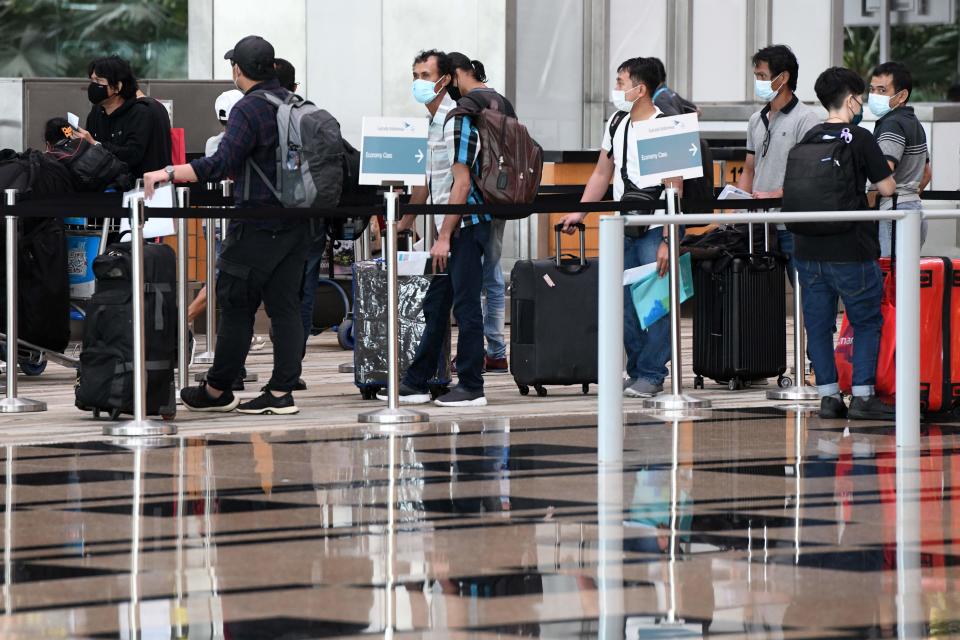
(260, 260)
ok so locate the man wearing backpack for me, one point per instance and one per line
(260, 259)
(647, 351)
(903, 141)
(828, 171)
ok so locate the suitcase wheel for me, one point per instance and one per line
(168, 416)
(541, 391)
(368, 393)
(698, 382)
(524, 389)
(96, 414)
(345, 335)
(114, 414)
(585, 388)
(784, 382)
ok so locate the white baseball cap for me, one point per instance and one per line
(225, 102)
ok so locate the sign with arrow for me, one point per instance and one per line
(394, 150)
(668, 147)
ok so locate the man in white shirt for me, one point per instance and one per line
(647, 351)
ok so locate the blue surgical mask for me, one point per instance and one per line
(857, 117)
(879, 105)
(619, 99)
(764, 89)
(424, 91)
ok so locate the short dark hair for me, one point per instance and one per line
(286, 74)
(444, 66)
(836, 84)
(257, 74)
(115, 70)
(662, 70)
(642, 70)
(53, 131)
(902, 78)
(475, 67)
(780, 58)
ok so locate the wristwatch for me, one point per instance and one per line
(665, 239)
(170, 169)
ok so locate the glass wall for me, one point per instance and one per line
(56, 38)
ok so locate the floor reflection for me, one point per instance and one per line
(752, 523)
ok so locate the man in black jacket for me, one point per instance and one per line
(123, 124)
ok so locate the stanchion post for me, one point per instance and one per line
(908, 331)
(139, 426)
(11, 403)
(211, 282)
(393, 414)
(183, 328)
(610, 342)
(798, 391)
(676, 401)
(429, 232)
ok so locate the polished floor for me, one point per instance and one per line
(749, 523)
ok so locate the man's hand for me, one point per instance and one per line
(83, 134)
(153, 180)
(663, 259)
(440, 253)
(570, 222)
(763, 195)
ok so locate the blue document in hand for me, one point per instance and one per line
(651, 295)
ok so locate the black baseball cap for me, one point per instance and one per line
(253, 52)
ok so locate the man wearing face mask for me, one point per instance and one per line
(124, 125)
(776, 129)
(647, 351)
(839, 261)
(903, 141)
(260, 259)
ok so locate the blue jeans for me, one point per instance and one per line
(886, 228)
(785, 242)
(494, 290)
(311, 274)
(859, 285)
(647, 351)
(460, 290)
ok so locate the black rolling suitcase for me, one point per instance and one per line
(553, 321)
(105, 380)
(739, 326)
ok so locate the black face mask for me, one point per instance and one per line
(454, 92)
(97, 93)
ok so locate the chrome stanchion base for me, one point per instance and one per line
(795, 393)
(346, 367)
(139, 429)
(21, 405)
(393, 416)
(801, 409)
(668, 402)
(204, 358)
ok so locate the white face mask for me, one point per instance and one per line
(619, 99)
(764, 89)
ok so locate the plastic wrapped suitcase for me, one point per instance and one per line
(542, 317)
(739, 325)
(370, 328)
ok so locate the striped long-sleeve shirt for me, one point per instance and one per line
(463, 147)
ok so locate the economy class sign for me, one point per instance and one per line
(394, 150)
(668, 147)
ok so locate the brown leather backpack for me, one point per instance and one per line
(511, 161)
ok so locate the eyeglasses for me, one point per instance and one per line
(766, 143)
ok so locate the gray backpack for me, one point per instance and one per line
(310, 162)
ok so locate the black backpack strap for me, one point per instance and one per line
(614, 124)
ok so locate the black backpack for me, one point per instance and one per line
(33, 174)
(820, 176)
(105, 379)
(92, 167)
(353, 194)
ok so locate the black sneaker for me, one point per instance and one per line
(871, 408)
(197, 399)
(300, 386)
(267, 403)
(460, 397)
(832, 408)
(406, 395)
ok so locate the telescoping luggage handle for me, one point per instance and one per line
(558, 228)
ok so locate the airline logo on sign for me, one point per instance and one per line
(667, 148)
(393, 150)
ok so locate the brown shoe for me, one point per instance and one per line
(495, 365)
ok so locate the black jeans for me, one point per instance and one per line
(460, 289)
(255, 266)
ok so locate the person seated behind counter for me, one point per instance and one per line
(122, 123)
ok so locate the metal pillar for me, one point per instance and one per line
(393, 414)
(183, 325)
(139, 426)
(676, 400)
(610, 591)
(799, 390)
(610, 342)
(11, 403)
(884, 30)
(908, 331)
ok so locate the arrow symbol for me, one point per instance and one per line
(693, 149)
(419, 156)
